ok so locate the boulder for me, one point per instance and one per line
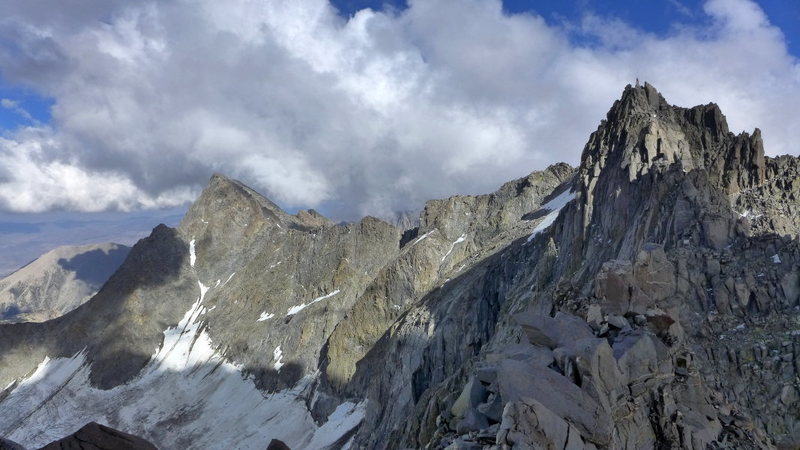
(594, 316)
(473, 394)
(790, 284)
(618, 290)
(532, 425)
(617, 322)
(473, 421)
(520, 382)
(640, 357)
(493, 408)
(538, 356)
(555, 331)
(600, 377)
(654, 274)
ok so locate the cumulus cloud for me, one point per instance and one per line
(366, 115)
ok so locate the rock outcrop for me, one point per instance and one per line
(94, 436)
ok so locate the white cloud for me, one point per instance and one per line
(371, 115)
(33, 182)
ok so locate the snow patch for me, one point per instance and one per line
(272, 266)
(453, 245)
(207, 400)
(747, 213)
(203, 290)
(776, 259)
(277, 356)
(554, 206)
(296, 309)
(346, 417)
(192, 254)
(419, 239)
(264, 316)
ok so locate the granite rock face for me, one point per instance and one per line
(647, 299)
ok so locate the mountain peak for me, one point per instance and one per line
(642, 130)
(644, 97)
(226, 202)
(644, 138)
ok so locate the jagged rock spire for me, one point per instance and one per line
(642, 131)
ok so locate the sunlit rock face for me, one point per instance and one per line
(648, 298)
(58, 281)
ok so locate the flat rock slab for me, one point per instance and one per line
(555, 331)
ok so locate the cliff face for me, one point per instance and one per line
(646, 299)
(666, 311)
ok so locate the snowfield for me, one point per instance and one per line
(554, 206)
(187, 396)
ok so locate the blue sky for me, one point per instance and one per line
(23, 106)
(116, 111)
(654, 16)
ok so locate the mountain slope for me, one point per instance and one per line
(628, 303)
(58, 281)
(650, 253)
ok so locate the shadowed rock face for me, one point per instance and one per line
(6, 444)
(94, 436)
(629, 303)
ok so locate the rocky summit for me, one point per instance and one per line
(649, 298)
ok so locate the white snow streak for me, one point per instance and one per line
(192, 254)
(229, 279)
(272, 266)
(419, 239)
(453, 245)
(776, 259)
(203, 290)
(264, 316)
(747, 213)
(277, 356)
(554, 206)
(296, 309)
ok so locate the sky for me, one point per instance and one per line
(118, 112)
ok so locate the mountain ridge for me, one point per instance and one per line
(423, 337)
(58, 281)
